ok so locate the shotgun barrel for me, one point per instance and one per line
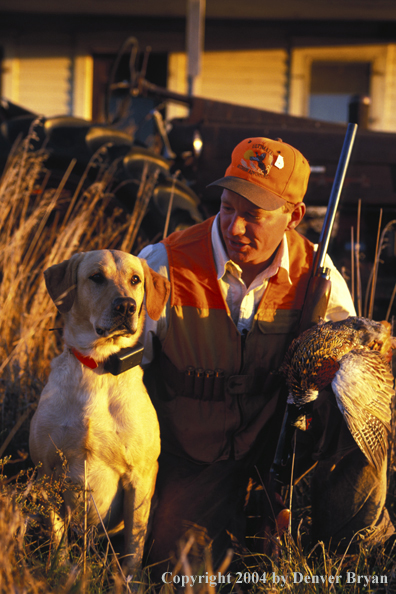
(318, 292)
(334, 197)
(316, 299)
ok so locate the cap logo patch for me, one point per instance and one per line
(279, 163)
(257, 162)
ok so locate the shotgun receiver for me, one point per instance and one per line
(316, 300)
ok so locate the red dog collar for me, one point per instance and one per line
(87, 361)
(117, 363)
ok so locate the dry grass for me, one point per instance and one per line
(40, 226)
(36, 231)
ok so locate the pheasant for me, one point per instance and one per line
(353, 356)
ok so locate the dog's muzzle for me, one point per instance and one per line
(123, 310)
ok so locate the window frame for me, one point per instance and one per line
(379, 56)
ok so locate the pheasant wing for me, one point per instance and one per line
(363, 387)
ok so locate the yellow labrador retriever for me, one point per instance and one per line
(90, 414)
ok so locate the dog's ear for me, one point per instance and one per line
(61, 282)
(157, 291)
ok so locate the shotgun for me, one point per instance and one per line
(315, 303)
(318, 292)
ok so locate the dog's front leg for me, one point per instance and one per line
(137, 503)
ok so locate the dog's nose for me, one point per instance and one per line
(124, 306)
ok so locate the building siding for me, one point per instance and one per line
(255, 78)
(51, 80)
(389, 120)
(44, 80)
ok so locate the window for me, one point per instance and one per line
(333, 85)
(322, 79)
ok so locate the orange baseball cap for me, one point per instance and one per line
(267, 172)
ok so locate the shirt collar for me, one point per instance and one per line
(224, 264)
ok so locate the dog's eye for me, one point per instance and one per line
(97, 278)
(135, 280)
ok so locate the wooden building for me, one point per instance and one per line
(297, 56)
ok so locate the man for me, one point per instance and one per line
(238, 284)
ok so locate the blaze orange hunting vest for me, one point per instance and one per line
(217, 392)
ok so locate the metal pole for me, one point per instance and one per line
(195, 40)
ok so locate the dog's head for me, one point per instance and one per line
(101, 294)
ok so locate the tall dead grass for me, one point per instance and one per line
(15, 576)
(41, 226)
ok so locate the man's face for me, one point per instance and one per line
(251, 234)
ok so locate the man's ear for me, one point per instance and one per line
(157, 289)
(297, 215)
(61, 282)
